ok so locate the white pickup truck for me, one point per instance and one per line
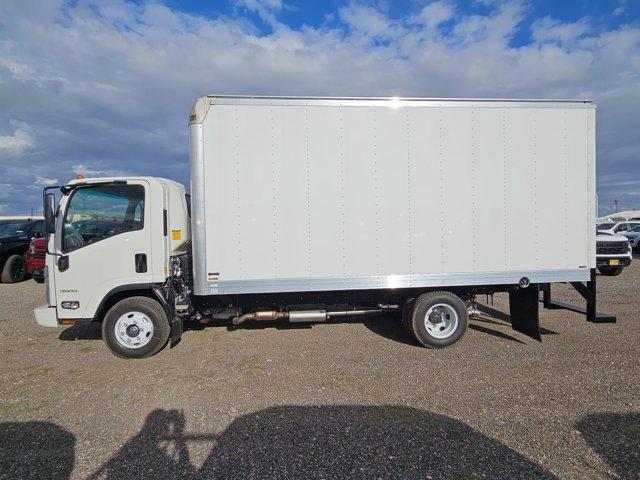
(613, 253)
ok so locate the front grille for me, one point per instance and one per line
(38, 255)
(612, 248)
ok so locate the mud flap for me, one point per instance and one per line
(524, 312)
(177, 328)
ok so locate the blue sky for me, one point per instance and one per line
(104, 87)
(296, 14)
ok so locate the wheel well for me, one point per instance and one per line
(114, 297)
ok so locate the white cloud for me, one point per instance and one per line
(45, 182)
(107, 85)
(19, 142)
(367, 21)
(495, 29)
(92, 172)
(619, 11)
(549, 30)
(266, 9)
(435, 13)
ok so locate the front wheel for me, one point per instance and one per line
(136, 327)
(610, 272)
(438, 319)
(14, 270)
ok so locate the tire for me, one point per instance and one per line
(448, 321)
(611, 272)
(39, 279)
(407, 307)
(14, 270)
(141, 313)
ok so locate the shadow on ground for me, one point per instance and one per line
(35, 450)
(616, 438)
(83, 330)
(284, 442)
(388, 326)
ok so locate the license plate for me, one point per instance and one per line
(614, 262)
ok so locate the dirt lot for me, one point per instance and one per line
(340, 400)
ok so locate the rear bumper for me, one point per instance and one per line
(606, 262)
(46, 316)
(37, 272)
(35, 266)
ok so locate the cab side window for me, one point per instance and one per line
(99, 212)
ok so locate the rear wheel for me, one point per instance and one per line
(610, 272)
(136, 327)
(439, 319)
(15, 270)
(407, 308)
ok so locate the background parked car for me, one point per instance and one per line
(616, 227)
(634, 238)
(35, 257)
(613, 253)
(15, 236)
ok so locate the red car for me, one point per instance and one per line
(35, 259)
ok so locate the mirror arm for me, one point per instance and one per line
(46, 248)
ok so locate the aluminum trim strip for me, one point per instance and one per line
(392, 281)
(199, 233)
(422, 99)
(398, 103)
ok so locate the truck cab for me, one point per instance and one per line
(112, 239)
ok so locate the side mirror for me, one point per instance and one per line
(49, 213)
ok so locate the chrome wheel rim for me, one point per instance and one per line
(441, 321)
(134, 330)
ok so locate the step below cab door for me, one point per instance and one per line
(103, 242)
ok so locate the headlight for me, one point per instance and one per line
(32, 249)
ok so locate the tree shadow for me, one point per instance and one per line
(35, 450)
(321, 442)
(616, 438)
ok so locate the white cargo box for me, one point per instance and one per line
(312, 194)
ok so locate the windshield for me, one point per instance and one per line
(11, 228)
(605, 226)
(100, 212)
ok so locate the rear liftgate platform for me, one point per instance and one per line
(524, 306)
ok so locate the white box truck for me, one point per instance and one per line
(306, 209)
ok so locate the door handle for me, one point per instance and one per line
(141, 262)
(63, 263)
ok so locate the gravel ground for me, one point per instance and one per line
(338, 400)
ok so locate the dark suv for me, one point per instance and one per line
(15, 236)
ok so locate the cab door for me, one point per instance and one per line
(104, 244)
